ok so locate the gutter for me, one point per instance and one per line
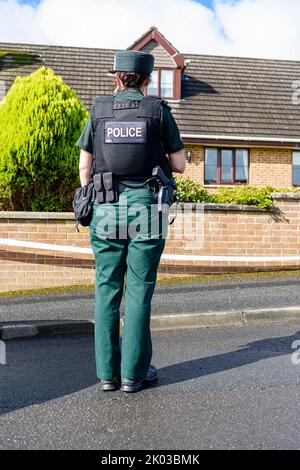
(241, 138)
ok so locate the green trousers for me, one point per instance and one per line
(127, 238)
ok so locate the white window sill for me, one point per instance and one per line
(220, 185)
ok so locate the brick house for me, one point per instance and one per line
(238, 117)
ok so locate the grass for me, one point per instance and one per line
(161, 282)
(47, 291)
(249, 275)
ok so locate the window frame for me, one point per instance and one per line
(219, 169)
(158, 70)
(294, 185)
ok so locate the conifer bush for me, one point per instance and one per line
(40, 120)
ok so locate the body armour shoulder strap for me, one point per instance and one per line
(150, 107)
(103, 108)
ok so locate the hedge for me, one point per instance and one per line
(191, 191)
(40, 120)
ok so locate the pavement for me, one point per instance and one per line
(211, 302)
(219, 388)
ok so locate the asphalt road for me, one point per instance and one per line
(277, 290)
(233, 388)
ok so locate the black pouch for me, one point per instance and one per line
(99, 188)
(83, 204)
(110, 186)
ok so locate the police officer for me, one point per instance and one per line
(127, 135)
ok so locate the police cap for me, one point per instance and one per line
(133, 61)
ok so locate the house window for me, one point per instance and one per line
(166, 83)
(162, 83)
(296, 168)
(152, 88)
(226, 166)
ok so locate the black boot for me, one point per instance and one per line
(110, 385)
(131, 386)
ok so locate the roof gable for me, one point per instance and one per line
(154, 36)
(162, 58)
(230, 96)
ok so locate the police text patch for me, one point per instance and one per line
(126, 132)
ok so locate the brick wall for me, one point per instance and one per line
(25, 268)
(268, 166)
(195, 169)
(271, 167)
(209, 230)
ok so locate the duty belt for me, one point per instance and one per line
(123, 187)
(108, 186)
(128, 185)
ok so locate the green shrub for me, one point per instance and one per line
(191, 191)
(40, 120)
(286, 190)
(245, 195)
(248, 195)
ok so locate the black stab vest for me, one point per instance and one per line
(127, 138)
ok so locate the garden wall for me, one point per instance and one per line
(209, 230)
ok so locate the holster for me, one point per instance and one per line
(105, 185)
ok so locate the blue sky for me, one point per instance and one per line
(31, 2)
(244, 28)
(207, 3)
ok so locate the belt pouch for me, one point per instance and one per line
(109, 184)
(98, 185)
